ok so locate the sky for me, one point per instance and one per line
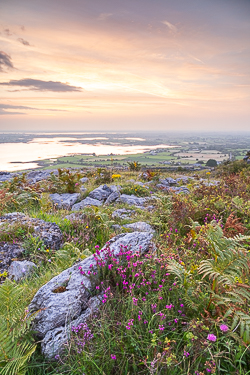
(136, 65)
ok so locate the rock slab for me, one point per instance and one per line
(20, 269)
(56, 309)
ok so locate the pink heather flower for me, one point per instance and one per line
(176, 320)
(211, 337)
(161, 327)
(181, 305)
(224, 328)
(186, 354)
(128, 327)
(169, 306)
(113, 356)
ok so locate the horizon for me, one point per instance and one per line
(108, 65)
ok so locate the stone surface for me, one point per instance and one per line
(85, 203)
(49, 233)
(7, 176)
(9, 251)
(122, 213)
(57, 339)
(84, 180)
(35, 176)
(101, 193)
(83, 189)
(140, 226)
(56, 308)
(65, 201)
(132, 200)
(20, 269)
(112, 197)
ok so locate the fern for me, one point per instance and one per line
(221, 275)
(16, 344)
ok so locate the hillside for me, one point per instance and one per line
(108, 271)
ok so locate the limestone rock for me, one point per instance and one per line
(20, 269)
(86, 202)
(65, 297)
(139, 226)
(55, 340)
(84, 180)
(122, 213)
(36, 176)
(112, 197)
(49, 233)
(132, 200)
(101, 193)
(65, 201)
(9, 251)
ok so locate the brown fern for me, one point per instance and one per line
(233, 227)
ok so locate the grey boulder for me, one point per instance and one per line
(132, 200)
(84, 180)
(112, 197)
(85, 203)
(8, 251)
(66, 297)
(101, 193)
(122, 213)
(49, 233)
(20, 269)
(140, 226)
(65, 201)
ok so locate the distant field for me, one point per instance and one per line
(204, 155)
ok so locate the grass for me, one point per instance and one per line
(158, 321)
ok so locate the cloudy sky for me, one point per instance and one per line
(124, 65)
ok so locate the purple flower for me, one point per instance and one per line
(224, 328)
(211, 337)
(186, 354)
(113, 356)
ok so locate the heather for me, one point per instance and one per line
(181, 308)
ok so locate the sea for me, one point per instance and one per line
(19, 151)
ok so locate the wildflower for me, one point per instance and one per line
(47, 250)
(113, 356)
(49, 260)
(186, 354)
(224, 328)
(161, 327)
(57, 357)
(169, 307)
(211, 337)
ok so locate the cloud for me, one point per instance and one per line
(5, 61)
(7, 32)
(104, 16)
(170, 26)
(24, 42)
(39, 85)
(4, 109)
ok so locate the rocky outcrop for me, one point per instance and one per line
(65, 201)
(84, 180)
(49, 233)
(140, 226)
(85, 203)
(132, 200)
(20, 269)
(66, 297)
(36, 176)
(101, 193)
(9, 251)
(122, 213)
